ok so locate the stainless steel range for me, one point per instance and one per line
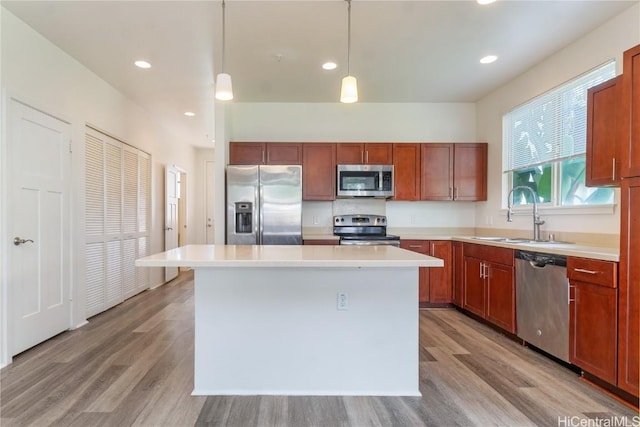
(363, 230)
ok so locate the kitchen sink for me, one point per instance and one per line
(519, 240)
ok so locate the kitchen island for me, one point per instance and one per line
(303, 320)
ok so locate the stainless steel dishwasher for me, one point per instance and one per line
(542, 302)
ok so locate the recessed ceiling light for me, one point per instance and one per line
(142, 64)
(189, 114)
(485, 1)
(488, 59)
(329, 66)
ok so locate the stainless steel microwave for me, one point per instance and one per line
(365, 181)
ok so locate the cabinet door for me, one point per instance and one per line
(458, 273)
(440, 286)
(247, 153)
(284, 153)
(436, 173)
(318, 171)
(629, 285)
(631, 113)
(603, 133)
(501, 296)
(593, 329)
(420, 246)
(474, 289)
(406, 171)
(470, 172)
(349, 154)
(378, 154)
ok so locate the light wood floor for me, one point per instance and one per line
(133, 365)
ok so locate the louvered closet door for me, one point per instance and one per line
(144, 217)
(117, 213)
(94, 223)
(129, 219)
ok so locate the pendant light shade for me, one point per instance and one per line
(349, 90)
(224, 89)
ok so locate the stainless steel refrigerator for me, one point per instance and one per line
(264, 205)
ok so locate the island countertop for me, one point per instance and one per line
(288, 256)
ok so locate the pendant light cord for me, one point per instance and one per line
(348, 37)
(223, 34)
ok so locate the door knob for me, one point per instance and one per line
(168, 228)
(18, 241)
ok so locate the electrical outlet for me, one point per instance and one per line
(316, 220)
(343, 301)
(413, 219)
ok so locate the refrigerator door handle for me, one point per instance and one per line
(260, 196)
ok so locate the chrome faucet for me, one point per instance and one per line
(537, 222)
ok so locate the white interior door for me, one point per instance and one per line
(172, 194)
(209, 186)
(38, 267)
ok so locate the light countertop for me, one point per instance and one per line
(568, 249)
(288, 256)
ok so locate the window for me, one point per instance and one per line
(544, 141)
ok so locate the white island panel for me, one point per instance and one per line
(278, 331)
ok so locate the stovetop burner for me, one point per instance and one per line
(363, 230)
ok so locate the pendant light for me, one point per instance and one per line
(224, 90)
(349, 90)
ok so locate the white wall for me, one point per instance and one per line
(604, 43)
(335, 122)
(41, 75)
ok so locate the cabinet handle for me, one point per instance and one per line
(268, 157)
(263, 156)
(450, 193)
(415, 246)
(582, 270)
(366, 157)
(613, 168)
(362, 157)
(455, 192)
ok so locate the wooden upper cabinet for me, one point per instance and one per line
(406, 171)
(436, 174)
(454, 172)
(470, 172)
(364, 154)
(247, 153)
(631, 113)
(604, 131)
(318, 171)
(261, 153)
(284, 153)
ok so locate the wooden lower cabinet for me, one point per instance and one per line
(489, 289)
(593, 329)
(435, 283)
(629, 290)
(501, 296)
(457, 271)
(593, 316)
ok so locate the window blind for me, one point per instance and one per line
(552, 126)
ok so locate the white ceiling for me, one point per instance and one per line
(401, 51)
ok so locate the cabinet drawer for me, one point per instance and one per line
(421, 246)
(489, 253)
(604, 273)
